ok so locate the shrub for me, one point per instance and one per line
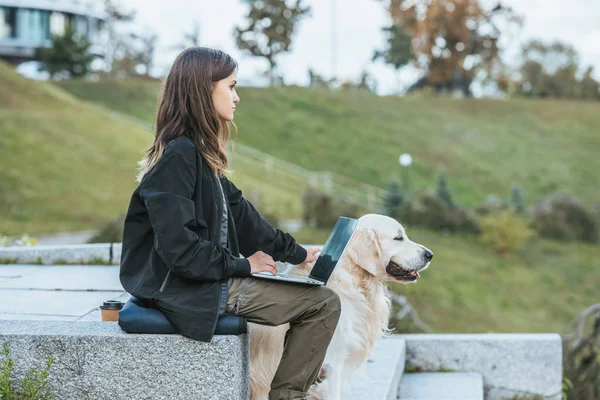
(517, 199)
(505, 231)
(562, 216)
(393, 198)
(442, 190)
(31, 387)
(429, 211)
(320, 210)
(490, 205)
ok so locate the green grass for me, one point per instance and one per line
(65, 165)
(70, 165)
(485, 146)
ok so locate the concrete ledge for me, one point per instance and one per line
(511, 364)
(98, 253)
(101, 253)
(100, 361)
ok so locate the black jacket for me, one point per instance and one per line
(171, 257)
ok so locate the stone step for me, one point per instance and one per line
(380, 376)
(441, 386)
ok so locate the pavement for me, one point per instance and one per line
(57, 292)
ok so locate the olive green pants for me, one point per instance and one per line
(313, 313)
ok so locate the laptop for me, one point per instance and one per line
(330, 254)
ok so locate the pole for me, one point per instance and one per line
(333, 40)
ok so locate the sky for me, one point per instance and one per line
(356, 34)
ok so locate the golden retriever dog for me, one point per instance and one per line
(378, 251)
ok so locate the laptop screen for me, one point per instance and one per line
(333, 249)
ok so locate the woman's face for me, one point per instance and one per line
(224, 97)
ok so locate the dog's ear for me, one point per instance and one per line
(365, 250)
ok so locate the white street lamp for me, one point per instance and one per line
(405, 159)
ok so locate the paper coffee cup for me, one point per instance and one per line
(110, 310)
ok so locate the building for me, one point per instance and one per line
(27, 24)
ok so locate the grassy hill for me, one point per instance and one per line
(70, 165)
(485, 146)
(65, 164)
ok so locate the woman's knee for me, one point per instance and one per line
(332, 299)
(333, 308)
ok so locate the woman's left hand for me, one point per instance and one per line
(310, 254)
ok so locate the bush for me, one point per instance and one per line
(564, 217)
(505, 231)
(430, 211)
(491, 205)
(443, 192)
(393, 198)
(320, 210)
(517, 199)
(33, 385)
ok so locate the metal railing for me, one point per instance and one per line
(359, 193)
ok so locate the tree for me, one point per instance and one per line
(191, 38)
(115, 15)
(394, 198)
(398, 50)
(517, 199)
(271, 25)
(148, 48)
(316, 80)
(452, 40)
(589, 87)
(67, 53)
(550, 70)
(134, 55)
(443, 192)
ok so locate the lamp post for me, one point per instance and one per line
(405, 160)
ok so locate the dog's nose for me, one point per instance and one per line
(428, 254)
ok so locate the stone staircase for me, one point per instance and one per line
(384, 378)
(486, 366)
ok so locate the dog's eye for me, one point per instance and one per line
(399, 238)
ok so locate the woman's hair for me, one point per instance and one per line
(185, 108)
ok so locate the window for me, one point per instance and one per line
(81, 26)
(32, 25)
(7, 22)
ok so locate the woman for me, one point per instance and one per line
(187, 225)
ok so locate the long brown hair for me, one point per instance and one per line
(185, 108)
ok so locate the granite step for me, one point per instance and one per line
(379, 378)
(441, 386)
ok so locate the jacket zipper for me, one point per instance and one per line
(164, 284)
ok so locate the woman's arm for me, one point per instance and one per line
(167, 193)
(256, 233)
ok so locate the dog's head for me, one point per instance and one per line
(381, 247)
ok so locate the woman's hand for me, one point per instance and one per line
(311, 254)
(262, 262)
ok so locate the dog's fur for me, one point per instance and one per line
(374, 254)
